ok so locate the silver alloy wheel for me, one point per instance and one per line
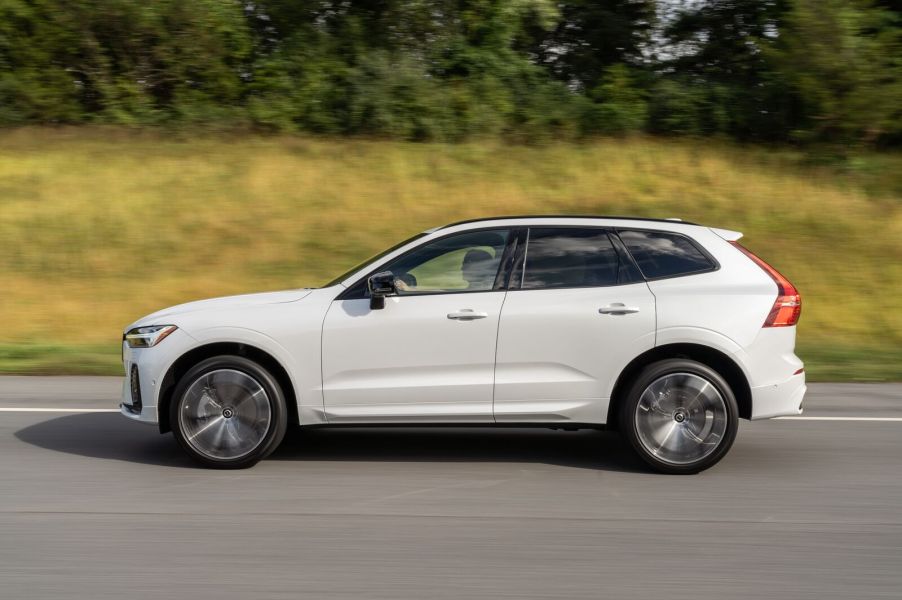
(225, 414)
(681, 418)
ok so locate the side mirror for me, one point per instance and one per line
(381, 285)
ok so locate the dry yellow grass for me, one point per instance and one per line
(98, 227)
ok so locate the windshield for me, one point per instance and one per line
(373, 258)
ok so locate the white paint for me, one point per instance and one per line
(725, 310)
(557, 357)
(24, 409)
(409, 361)
(887, 419)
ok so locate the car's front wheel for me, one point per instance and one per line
(680, 416)
(228, 412)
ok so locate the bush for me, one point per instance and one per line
(619, 106)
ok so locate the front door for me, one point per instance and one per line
(429, 354)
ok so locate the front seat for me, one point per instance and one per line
(478, 269)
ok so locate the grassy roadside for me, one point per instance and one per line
(49, 359)
(98, 227)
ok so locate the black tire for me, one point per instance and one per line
(705, 425)
(252, 437)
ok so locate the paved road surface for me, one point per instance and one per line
(94, 506)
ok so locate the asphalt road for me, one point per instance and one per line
(95, 506)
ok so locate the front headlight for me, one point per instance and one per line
(146, 337)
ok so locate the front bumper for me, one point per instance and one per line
(150, 365)
(143, 413)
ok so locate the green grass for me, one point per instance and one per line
(101, 226)
(851, 362)
(70, 359)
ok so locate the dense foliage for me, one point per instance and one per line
(800, 70)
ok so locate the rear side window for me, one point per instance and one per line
(570, 257)
(661, 254)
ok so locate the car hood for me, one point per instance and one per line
(167, 315)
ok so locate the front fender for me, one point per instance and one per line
(309, 401)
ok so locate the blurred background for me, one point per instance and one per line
(153, 153)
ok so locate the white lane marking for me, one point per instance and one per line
(57, 410)
(840, 418)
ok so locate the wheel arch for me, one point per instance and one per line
(728, 368)
(190, 358)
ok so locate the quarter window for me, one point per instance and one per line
(661, 254)
(570, 258)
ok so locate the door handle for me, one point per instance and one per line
(618, 308)
(467, 314)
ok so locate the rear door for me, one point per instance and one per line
(576, 313)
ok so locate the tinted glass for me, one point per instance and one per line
(664, 254)
(458, 263)
(567, 258)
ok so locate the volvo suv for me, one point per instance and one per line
(665, 330)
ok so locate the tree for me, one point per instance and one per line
(715, 65)
(843, 62)
(448, 69)
(120, 60)
(620, 106)
(589, 37)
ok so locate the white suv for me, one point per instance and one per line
(665, 330)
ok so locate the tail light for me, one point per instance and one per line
(788, 305)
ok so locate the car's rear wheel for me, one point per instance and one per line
(228, 412)
(680, 416)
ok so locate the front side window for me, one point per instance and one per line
(661, 254)
(466, 262)
(571, 257)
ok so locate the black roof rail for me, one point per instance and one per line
(618, 217)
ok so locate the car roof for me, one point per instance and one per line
(605, 217)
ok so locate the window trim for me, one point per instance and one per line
(499, 285)
(508, 259)
(715, 264)
(622, 253)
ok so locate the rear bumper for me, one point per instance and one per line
(775, 374)
(780, 399)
